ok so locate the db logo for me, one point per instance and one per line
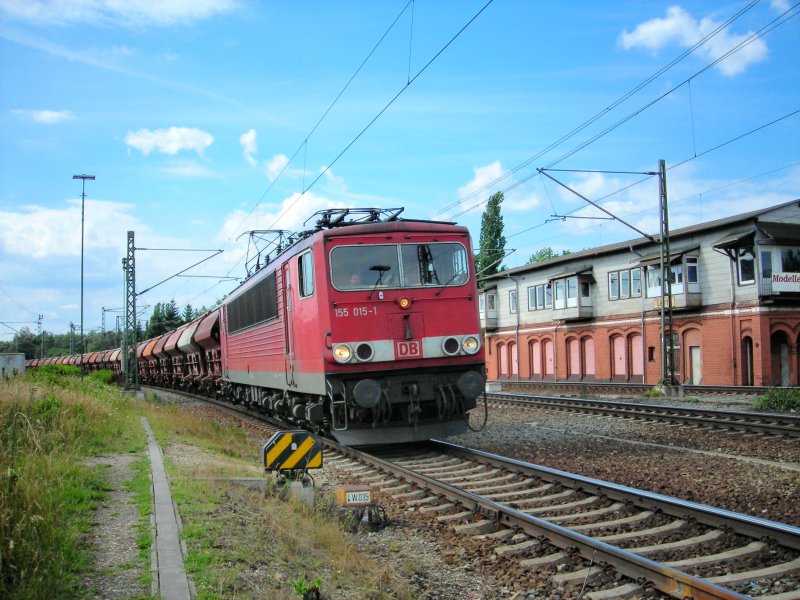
(408, 349)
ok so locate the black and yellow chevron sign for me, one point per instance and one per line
(290, 450)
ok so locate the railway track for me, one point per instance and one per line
(761, 423)
(588, 537)
(633, 389)
(619, 541)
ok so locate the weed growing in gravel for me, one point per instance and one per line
(50, 422)
(654, 392)
(779, 400)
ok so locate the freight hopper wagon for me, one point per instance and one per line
(365, 328)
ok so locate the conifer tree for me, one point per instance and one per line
(492, 242)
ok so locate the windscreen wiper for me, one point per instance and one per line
(381, 269)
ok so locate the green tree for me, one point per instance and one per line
(492, 242)
(188, 313)
(155, 325)
(172, 317)
(544, 254)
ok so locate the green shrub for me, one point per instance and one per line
(104, 376)
(779, 400)
(654, 392)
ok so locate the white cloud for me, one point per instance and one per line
(780, 6)
(482, 176)
(41, 232)
(191, 170)
(335, 182)
(275, 166)
(249, 146)
(47, 117)
(680, 28)
(289, 215)
(130, 13)
(519, 199)
(169, 141)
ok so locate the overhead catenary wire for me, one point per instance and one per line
(604, 111)
(408, 83)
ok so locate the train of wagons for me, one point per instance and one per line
(364, 328)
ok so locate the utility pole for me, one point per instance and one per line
(130, 369)
(41, 335)
(83, 179)
(667, 340)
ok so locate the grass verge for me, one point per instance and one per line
(50, 423)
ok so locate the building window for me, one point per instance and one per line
(653, 281)
(636, 283)
(548, 296)
(691, 269)
(790, 260)
(559, 297)
(512, 301)
(532, 298)
(572, 291)
(482, 303)
(491, 301)
(766, 264)
(746, 266)
(613, 285)
(586, 290)
(624, 284)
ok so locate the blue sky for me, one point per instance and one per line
(187, 112)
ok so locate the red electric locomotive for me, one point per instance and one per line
(366, 328)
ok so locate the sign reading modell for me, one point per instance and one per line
(292, 451)
(786, 282)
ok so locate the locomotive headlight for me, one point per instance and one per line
(404, 302)
(342, 353)
(450, 346)
(470, 344)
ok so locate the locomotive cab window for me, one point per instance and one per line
(305, 274)
(398, 266)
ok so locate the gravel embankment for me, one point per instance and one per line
(727, 470)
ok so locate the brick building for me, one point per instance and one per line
(595, 315)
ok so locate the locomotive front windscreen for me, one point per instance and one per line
(398, 266)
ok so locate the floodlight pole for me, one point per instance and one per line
(83, 179)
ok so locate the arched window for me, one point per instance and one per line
(587, 350)
(549, 359)
(513, 358)
(619, 358)
(637, 355)
(574, 370)
(502, 355)
(693, 360)
(747, 361)
(536, 359)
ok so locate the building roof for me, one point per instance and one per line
(780, 230)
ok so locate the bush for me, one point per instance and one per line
(104, 376)
(654, 392)
(779, 400)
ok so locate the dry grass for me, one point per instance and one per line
(47, 493)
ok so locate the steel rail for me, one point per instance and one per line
(756, 527)
(637, 388)
(667, 580)
(771, 423)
